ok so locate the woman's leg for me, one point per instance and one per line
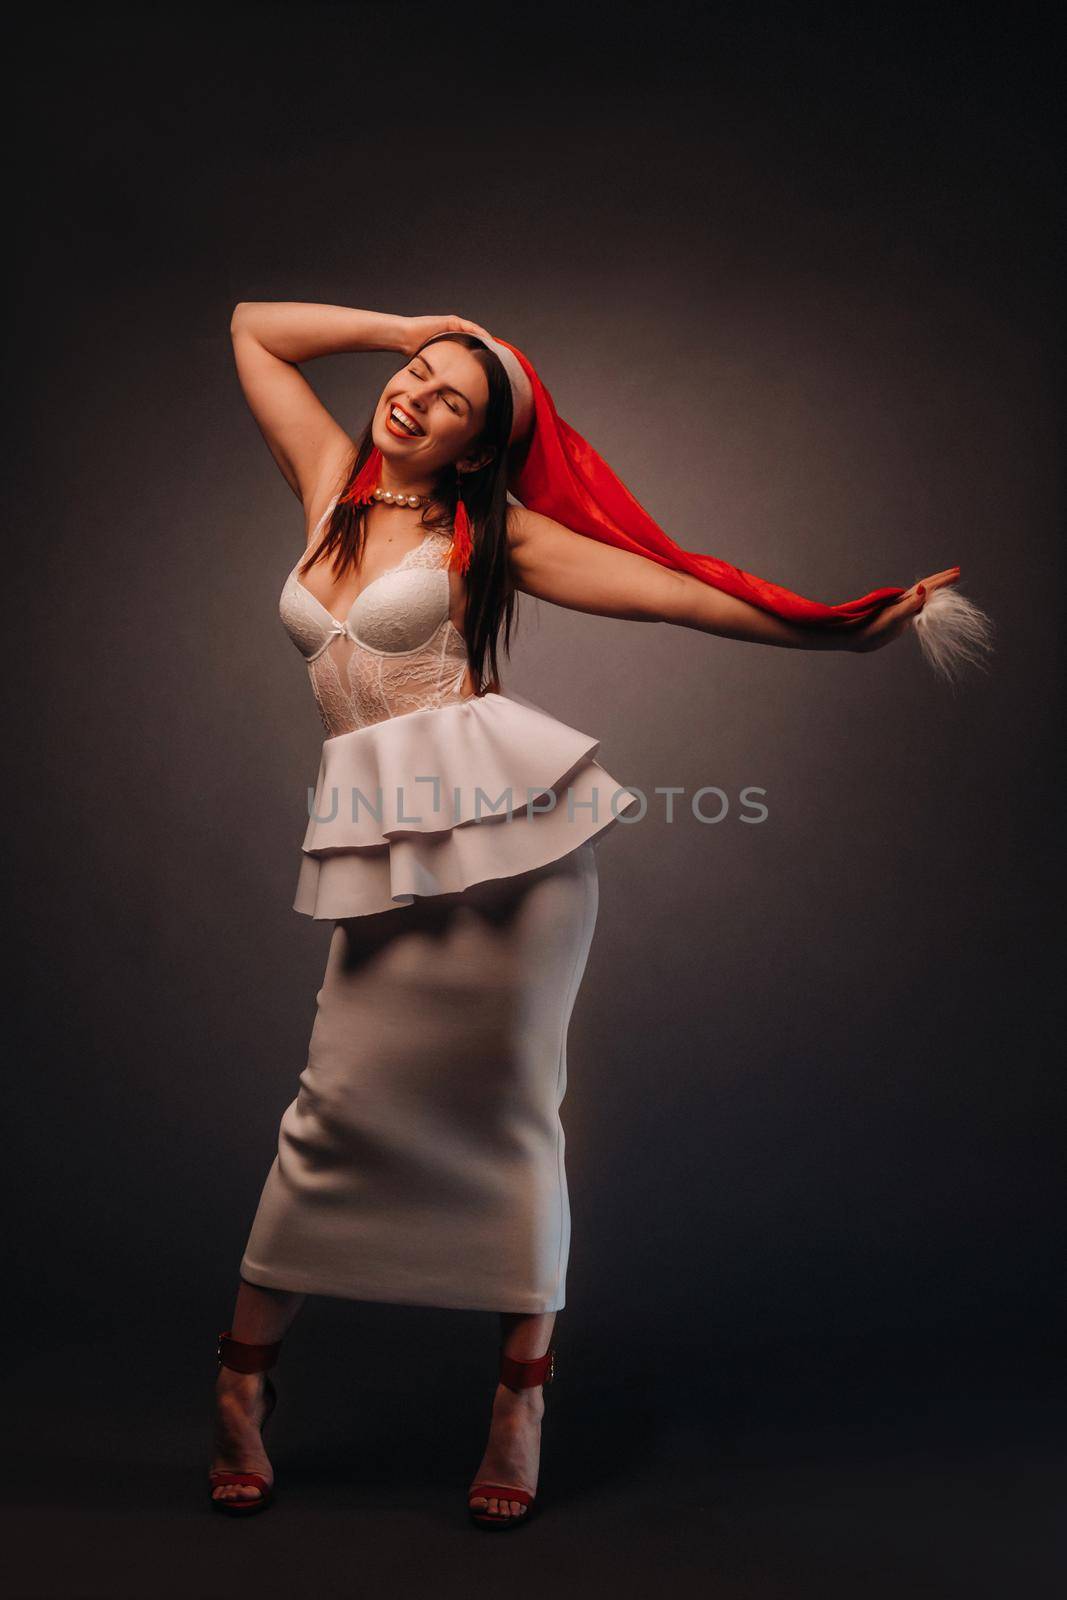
(513, 1453)
(261, 1316)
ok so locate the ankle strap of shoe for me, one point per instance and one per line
(246, 1357)
(518, 1374)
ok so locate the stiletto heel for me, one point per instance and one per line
(517, 1375)
(241, 1357)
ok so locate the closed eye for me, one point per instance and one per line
(448, 403)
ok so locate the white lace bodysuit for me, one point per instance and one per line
(396, 651)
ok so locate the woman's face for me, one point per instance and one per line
(444, 393)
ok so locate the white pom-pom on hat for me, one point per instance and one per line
(953, 632)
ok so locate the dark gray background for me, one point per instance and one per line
(794, 272)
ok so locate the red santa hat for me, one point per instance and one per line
(558, 473)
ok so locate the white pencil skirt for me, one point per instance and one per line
(422, 1160)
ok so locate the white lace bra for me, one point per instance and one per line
(396, 651)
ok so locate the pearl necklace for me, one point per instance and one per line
(390, 497)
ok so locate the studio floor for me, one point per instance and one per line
(792, 1471)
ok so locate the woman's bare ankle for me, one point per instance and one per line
(529, 1401)
(247, 1390)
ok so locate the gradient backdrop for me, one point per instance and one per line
(794, 272)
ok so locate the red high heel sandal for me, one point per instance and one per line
(516, 1375)
(246, 1358)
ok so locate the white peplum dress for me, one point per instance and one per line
(451, 842)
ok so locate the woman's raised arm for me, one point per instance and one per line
(269, 339)
(554, 563)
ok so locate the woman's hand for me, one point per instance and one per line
(890, 623)
(416, 330)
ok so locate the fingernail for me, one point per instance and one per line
(921, 591)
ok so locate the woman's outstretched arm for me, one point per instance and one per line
(553, 563)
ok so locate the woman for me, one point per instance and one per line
(422, 1160)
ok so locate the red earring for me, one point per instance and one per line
(366, 480)
(460, 559)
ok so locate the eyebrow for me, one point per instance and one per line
(448, 386)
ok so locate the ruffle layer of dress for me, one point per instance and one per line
(434, 801)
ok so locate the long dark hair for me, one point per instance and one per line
(490, 594)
